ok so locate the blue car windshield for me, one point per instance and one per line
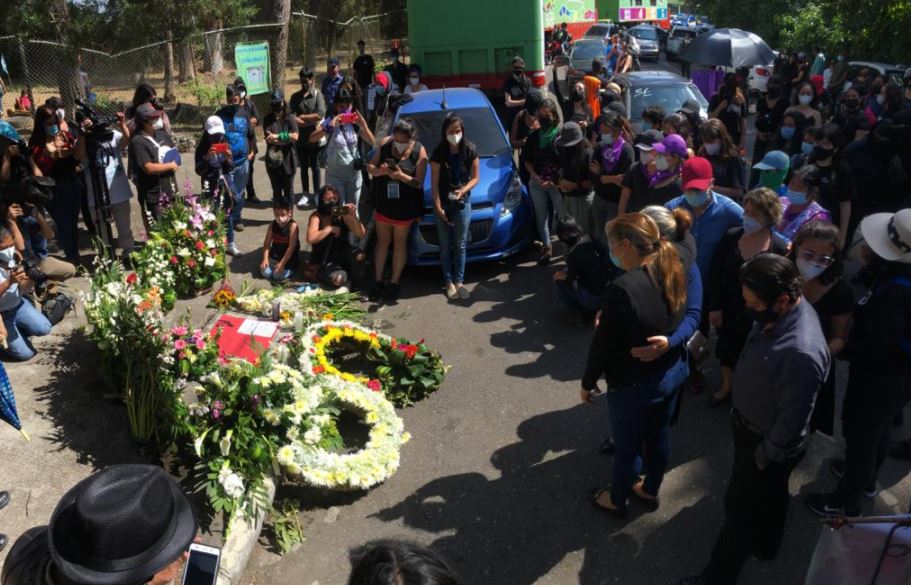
(481, 128)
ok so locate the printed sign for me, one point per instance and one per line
(252, 61)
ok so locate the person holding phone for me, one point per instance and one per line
(398, 169)
(127, 523)
(455, 169)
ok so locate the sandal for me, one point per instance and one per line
(650, 502)
(544, 258)
(595, 494)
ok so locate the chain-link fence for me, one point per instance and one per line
(191, 71)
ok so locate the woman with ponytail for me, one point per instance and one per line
(649, 299)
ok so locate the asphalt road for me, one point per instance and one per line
(504, 454)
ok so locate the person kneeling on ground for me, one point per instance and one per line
(327, 233)
(21, 319)
(587, 273)
(281, 249)
(124, 524)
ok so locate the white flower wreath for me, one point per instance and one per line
(372, 465)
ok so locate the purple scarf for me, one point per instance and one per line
(610, 154)
(659, 176)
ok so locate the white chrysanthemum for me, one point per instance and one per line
(313, 436)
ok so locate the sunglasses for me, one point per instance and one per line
(813, 258)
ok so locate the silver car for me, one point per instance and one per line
(649, 41)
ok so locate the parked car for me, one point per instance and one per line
(662, 88)
(605, 31)
(584, 52)
(892, 72)
(501, 211)
(649, 47)
(677, 38)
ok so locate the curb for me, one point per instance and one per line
(240, 542)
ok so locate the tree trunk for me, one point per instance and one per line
(214, 60)
(281, 13)
(311, 36)
(169, 93)
(68, 81)
(185, 66)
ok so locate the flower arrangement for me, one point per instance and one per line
(307, 458)
(312, 305)
(406, 372)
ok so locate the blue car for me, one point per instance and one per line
(501, 212)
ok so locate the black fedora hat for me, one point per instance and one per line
(570, 135)
(120, 526)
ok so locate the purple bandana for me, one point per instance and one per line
(654, 179)
(611, 154)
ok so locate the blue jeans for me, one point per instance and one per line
(453, 244)
(269, 272)
(640, 416)
(577, 297)
(21, 323)
(64, 210)
(543, 199)
(238, 180)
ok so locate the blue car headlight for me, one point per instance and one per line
(513, 195)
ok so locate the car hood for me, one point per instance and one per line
(647, 43)
(495, 175)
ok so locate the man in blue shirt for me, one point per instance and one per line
(236, 120)
(713, 213)
(332, 82)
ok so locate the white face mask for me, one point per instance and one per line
(880, 99)
(8, 256)
(399, 147)
(159, 124)
(661, 163)
(454, 139)
(712, 148)
(414, 79)
(243, 94)
(607, 138)
(805, 100)
(808, 270)
(282, 221)
(61, 114)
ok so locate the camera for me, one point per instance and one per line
(101, 128)
(339, 212)
(29, 193)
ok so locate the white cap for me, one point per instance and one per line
(215, 125)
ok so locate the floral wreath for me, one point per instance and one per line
(376, 462)
(316, 345)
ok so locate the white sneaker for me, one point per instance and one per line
(303, 201)
(232, 250)
(463, 292)
(451, 291)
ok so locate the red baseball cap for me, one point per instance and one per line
(697, 174)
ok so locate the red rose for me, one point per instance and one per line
(374, 385)
(210, 233)
(318, 369)
(174, 260)
(200, 245)
(132, 278)
(191, 263)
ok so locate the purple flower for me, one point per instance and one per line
(218, 404)
(216, 414)
(196, 221)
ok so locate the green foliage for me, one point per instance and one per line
(208, 95)
(286, 529)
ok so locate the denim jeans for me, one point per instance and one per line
(454, 244)
(602, 212)
(640, 416)
(577, 297)
(64, 209)
(238, 181)
(21, 323)
(269, 272)
(348, 183)
(543, 199)
(309, 161)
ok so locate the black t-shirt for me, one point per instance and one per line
(881, 321)
(838, 300)
(731, 115)
(611, 192)
(363, 70)
(575, 167)
(768, 118)
(410, 201)
(275, 126)
(332, 249)
(455, 169)
(545, 161)
(517, 89)
(144, 150)
(399, 73)
(729, 172)
(302, 105)
(642, 195)
(588, 262)
(281, 241)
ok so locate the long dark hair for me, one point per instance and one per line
(713, 129)
(792, 146)
(393, 563)
(812, 87)
(825, 232)
(144, 92)
(448, 122)
(39, 135)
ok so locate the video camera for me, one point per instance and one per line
(29, 193)
(101, 128)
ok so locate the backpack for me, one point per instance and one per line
(56, 307)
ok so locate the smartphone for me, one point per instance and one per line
(349, 118)
(202, 566)
(391, 163)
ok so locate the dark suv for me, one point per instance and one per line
(657, 88)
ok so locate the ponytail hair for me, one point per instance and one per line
(662, 258)
(673, 225)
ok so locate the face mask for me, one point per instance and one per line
(820, 153)
(454, 139)
(547, 123)
(399, 147)
(52, 130)
(646, 126)
(243, 94)
(808, 270)
(578, 96)
(283, 222)
(852, 104)
(159, 124)
(607, 139)
(696, 198)
(7, 256)
(787, 132)
(712, 148)
(771, 179)
(880, 99)
(517, 73)
(796, 197)
(762, 317)
(617, 262)
(774, 92)
(805, 100)
(661, 163)
(751, 225)
(414, 80)
(60, 113)
(306, 87)
(806, 148)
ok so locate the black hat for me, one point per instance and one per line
(121, 525)
(277, 96)
(690, 108)
(570, 135)
(617, 106)
(648, 139)
(306, 72)
(533, 100)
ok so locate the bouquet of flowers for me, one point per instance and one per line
(312, 305)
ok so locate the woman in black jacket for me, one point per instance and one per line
(648, 300)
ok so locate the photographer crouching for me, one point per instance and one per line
(21, 320)
(328, 233)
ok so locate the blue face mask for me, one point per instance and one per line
(52, 130)
(646, 126)
(696, 198)
(615, 260)
(750, 225)
(787, 132)
(806, 148)
(796, 197)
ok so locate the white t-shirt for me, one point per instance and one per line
(118, 183)
(10, 299)
(421, 87)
